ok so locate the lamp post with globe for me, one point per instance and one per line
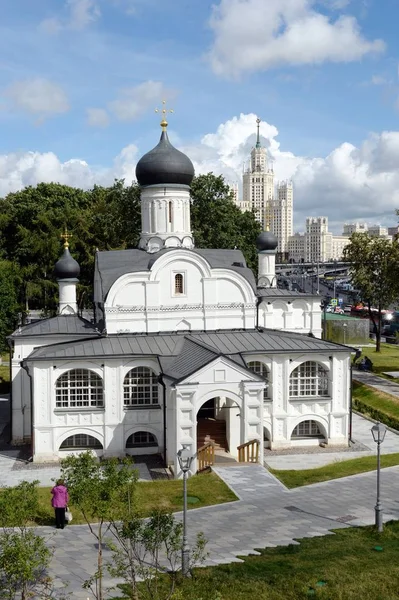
(185, 459)
(378, 430)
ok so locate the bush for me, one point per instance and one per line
(376, 414)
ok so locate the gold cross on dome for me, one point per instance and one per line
(164, 112)
(66, 236)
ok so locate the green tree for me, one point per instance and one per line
(9, 305)
(217, 222)
(148, 555)
(375, 274)
(24, 556)
(104, 493)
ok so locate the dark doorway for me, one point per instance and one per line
(207, 410)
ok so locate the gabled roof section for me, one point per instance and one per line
(60, 325)
(168, 346)
(192, 357)
(113, 264)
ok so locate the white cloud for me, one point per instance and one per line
(254, 35)
(37, 96)
(80, 14)
(97, 117)
(351, 183)
(18, 170)
(134, 101)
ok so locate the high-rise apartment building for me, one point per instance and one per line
(273, 208)
(281, 215)
(258, 183)
(318, 240)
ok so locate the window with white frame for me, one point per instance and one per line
(179, 284)
(309, 379)
(80, 441)
(79, 388)
(261, 369)
(141, 439)
(307, 429)
(140, 387)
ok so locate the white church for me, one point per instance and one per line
(185, 347)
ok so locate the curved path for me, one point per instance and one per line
(267, 514)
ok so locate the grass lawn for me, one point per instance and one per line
(378, 405)
(386, 360)
(344, 566)
(168, 494)
(344, 468)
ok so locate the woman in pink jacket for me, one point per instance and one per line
(59, 502)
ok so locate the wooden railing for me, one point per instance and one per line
(205, 456)
(249, 452)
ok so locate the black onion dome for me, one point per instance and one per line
(66, 267)
(164, 164)
(266, 241)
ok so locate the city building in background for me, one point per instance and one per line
(273, 205)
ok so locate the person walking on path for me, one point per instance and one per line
(59, 502)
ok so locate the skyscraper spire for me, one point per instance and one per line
(257, 135)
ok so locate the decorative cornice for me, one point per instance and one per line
(177, 307)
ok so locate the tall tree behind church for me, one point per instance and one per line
(217, 222)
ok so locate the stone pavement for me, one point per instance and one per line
(320, 458)
(374, 381)
(267, 514)
(13, 470)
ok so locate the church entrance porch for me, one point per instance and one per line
(219, 423)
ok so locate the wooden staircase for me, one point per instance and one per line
(214, 431)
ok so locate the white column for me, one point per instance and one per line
(267, 268)
(67, 296)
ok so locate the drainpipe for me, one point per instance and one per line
(161, 381)
(25, 366)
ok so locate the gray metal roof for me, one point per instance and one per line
(60, 325)
(166, 346)
(113, 264)
(282, 293)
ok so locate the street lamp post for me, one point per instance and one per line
(185, 459)
(378, 430)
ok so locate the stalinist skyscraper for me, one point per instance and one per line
(273, 207)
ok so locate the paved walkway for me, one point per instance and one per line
(13, 471)
(377, 382)
(267, 514)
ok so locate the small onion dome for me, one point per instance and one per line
(66, 267)
(266, 241)
(164, 164)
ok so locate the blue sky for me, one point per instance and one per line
(81, 78)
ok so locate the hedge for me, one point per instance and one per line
(376, 414)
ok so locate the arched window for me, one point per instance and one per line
(307, 429)
(140, 387)
(79, 388)
(261, 369)
(179, 284)
(170, 212)
(309, 379)
(141, 439)
(81, 441)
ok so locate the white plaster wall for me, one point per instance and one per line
(296, 315)
(20, 382)
(162, 226)
(212, 298)
(111, 425)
